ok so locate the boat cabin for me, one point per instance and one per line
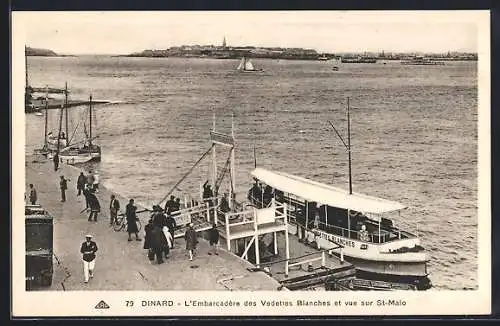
(316, 206)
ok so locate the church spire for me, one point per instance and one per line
(224, 42)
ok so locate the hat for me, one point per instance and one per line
(88, 236)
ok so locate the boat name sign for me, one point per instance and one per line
(339, 240)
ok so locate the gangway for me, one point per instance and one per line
(200, 215)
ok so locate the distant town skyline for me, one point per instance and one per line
(325, 31)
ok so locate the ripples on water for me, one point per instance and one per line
(414, 133)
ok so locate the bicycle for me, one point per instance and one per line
(121, 224)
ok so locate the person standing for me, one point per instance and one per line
(130, 213)
(33, 195)
(168, 241)
(191, 240)
(169, 205)
(172, 225)
(147, 239)
(114, 207)
(96, 181)
(214, 240)
(90, 180)
(80, 183)
(158, 243)
(95, 206)
(63, 185)
(56, 161)
(86, 192)
(224, 204)
(88, 249)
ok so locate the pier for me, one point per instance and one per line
(39, 105)
(123, 265)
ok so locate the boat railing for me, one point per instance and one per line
(369, 237)
(185, 216)
(248, 217)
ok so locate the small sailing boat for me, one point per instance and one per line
(247, 66)
(83, 151)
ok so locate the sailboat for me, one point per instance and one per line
(247, 66)
(62, 137)
(83, 151)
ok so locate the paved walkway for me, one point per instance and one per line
(120, 264)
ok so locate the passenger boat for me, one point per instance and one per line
(364, 225)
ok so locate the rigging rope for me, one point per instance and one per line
(77, 125)
(220, 178)
(185, 176)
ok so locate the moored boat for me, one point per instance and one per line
(364, 225)
(85, 151)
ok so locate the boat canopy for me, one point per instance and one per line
(324, 194)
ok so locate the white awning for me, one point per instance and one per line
(324, 194)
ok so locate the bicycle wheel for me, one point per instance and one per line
(118, 225)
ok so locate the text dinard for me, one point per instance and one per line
(274, 303)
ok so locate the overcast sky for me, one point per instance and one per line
(325, 31)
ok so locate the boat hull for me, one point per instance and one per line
(81, 158)
(372, 257)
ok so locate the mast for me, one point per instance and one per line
(349, 144)
(66, 110)
(60, 128)
(90, 125)
(46, 117)
(26, 66)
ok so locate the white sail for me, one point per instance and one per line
(249, 65)
(242, 64)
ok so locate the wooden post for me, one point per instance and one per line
(275, 243)
(323, 259)
(287, 245)
(257, 253)
(228, 236)
(379, 235)
(348, 223)
(214, 169)
(326, 218)
(341, 255)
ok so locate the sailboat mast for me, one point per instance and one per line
(349, 144)
(60, 128)
(66, 106)
(46, 116)
(90, 125)
(26, 66)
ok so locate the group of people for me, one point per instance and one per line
(159, 234)
(89, 186)
(172, 205)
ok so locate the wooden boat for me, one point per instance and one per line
(85, 150)
(247, 66)
(362, 224)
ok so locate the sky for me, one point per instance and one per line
(325, 31)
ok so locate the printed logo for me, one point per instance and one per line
(102, 305)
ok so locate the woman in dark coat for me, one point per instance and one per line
(94, 205)
(131, 218)
(191, 240)
(158, 243)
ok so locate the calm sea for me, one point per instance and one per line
(414, 133)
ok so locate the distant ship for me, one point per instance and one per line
(247, 66)
(421, 61)
(358, 59)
